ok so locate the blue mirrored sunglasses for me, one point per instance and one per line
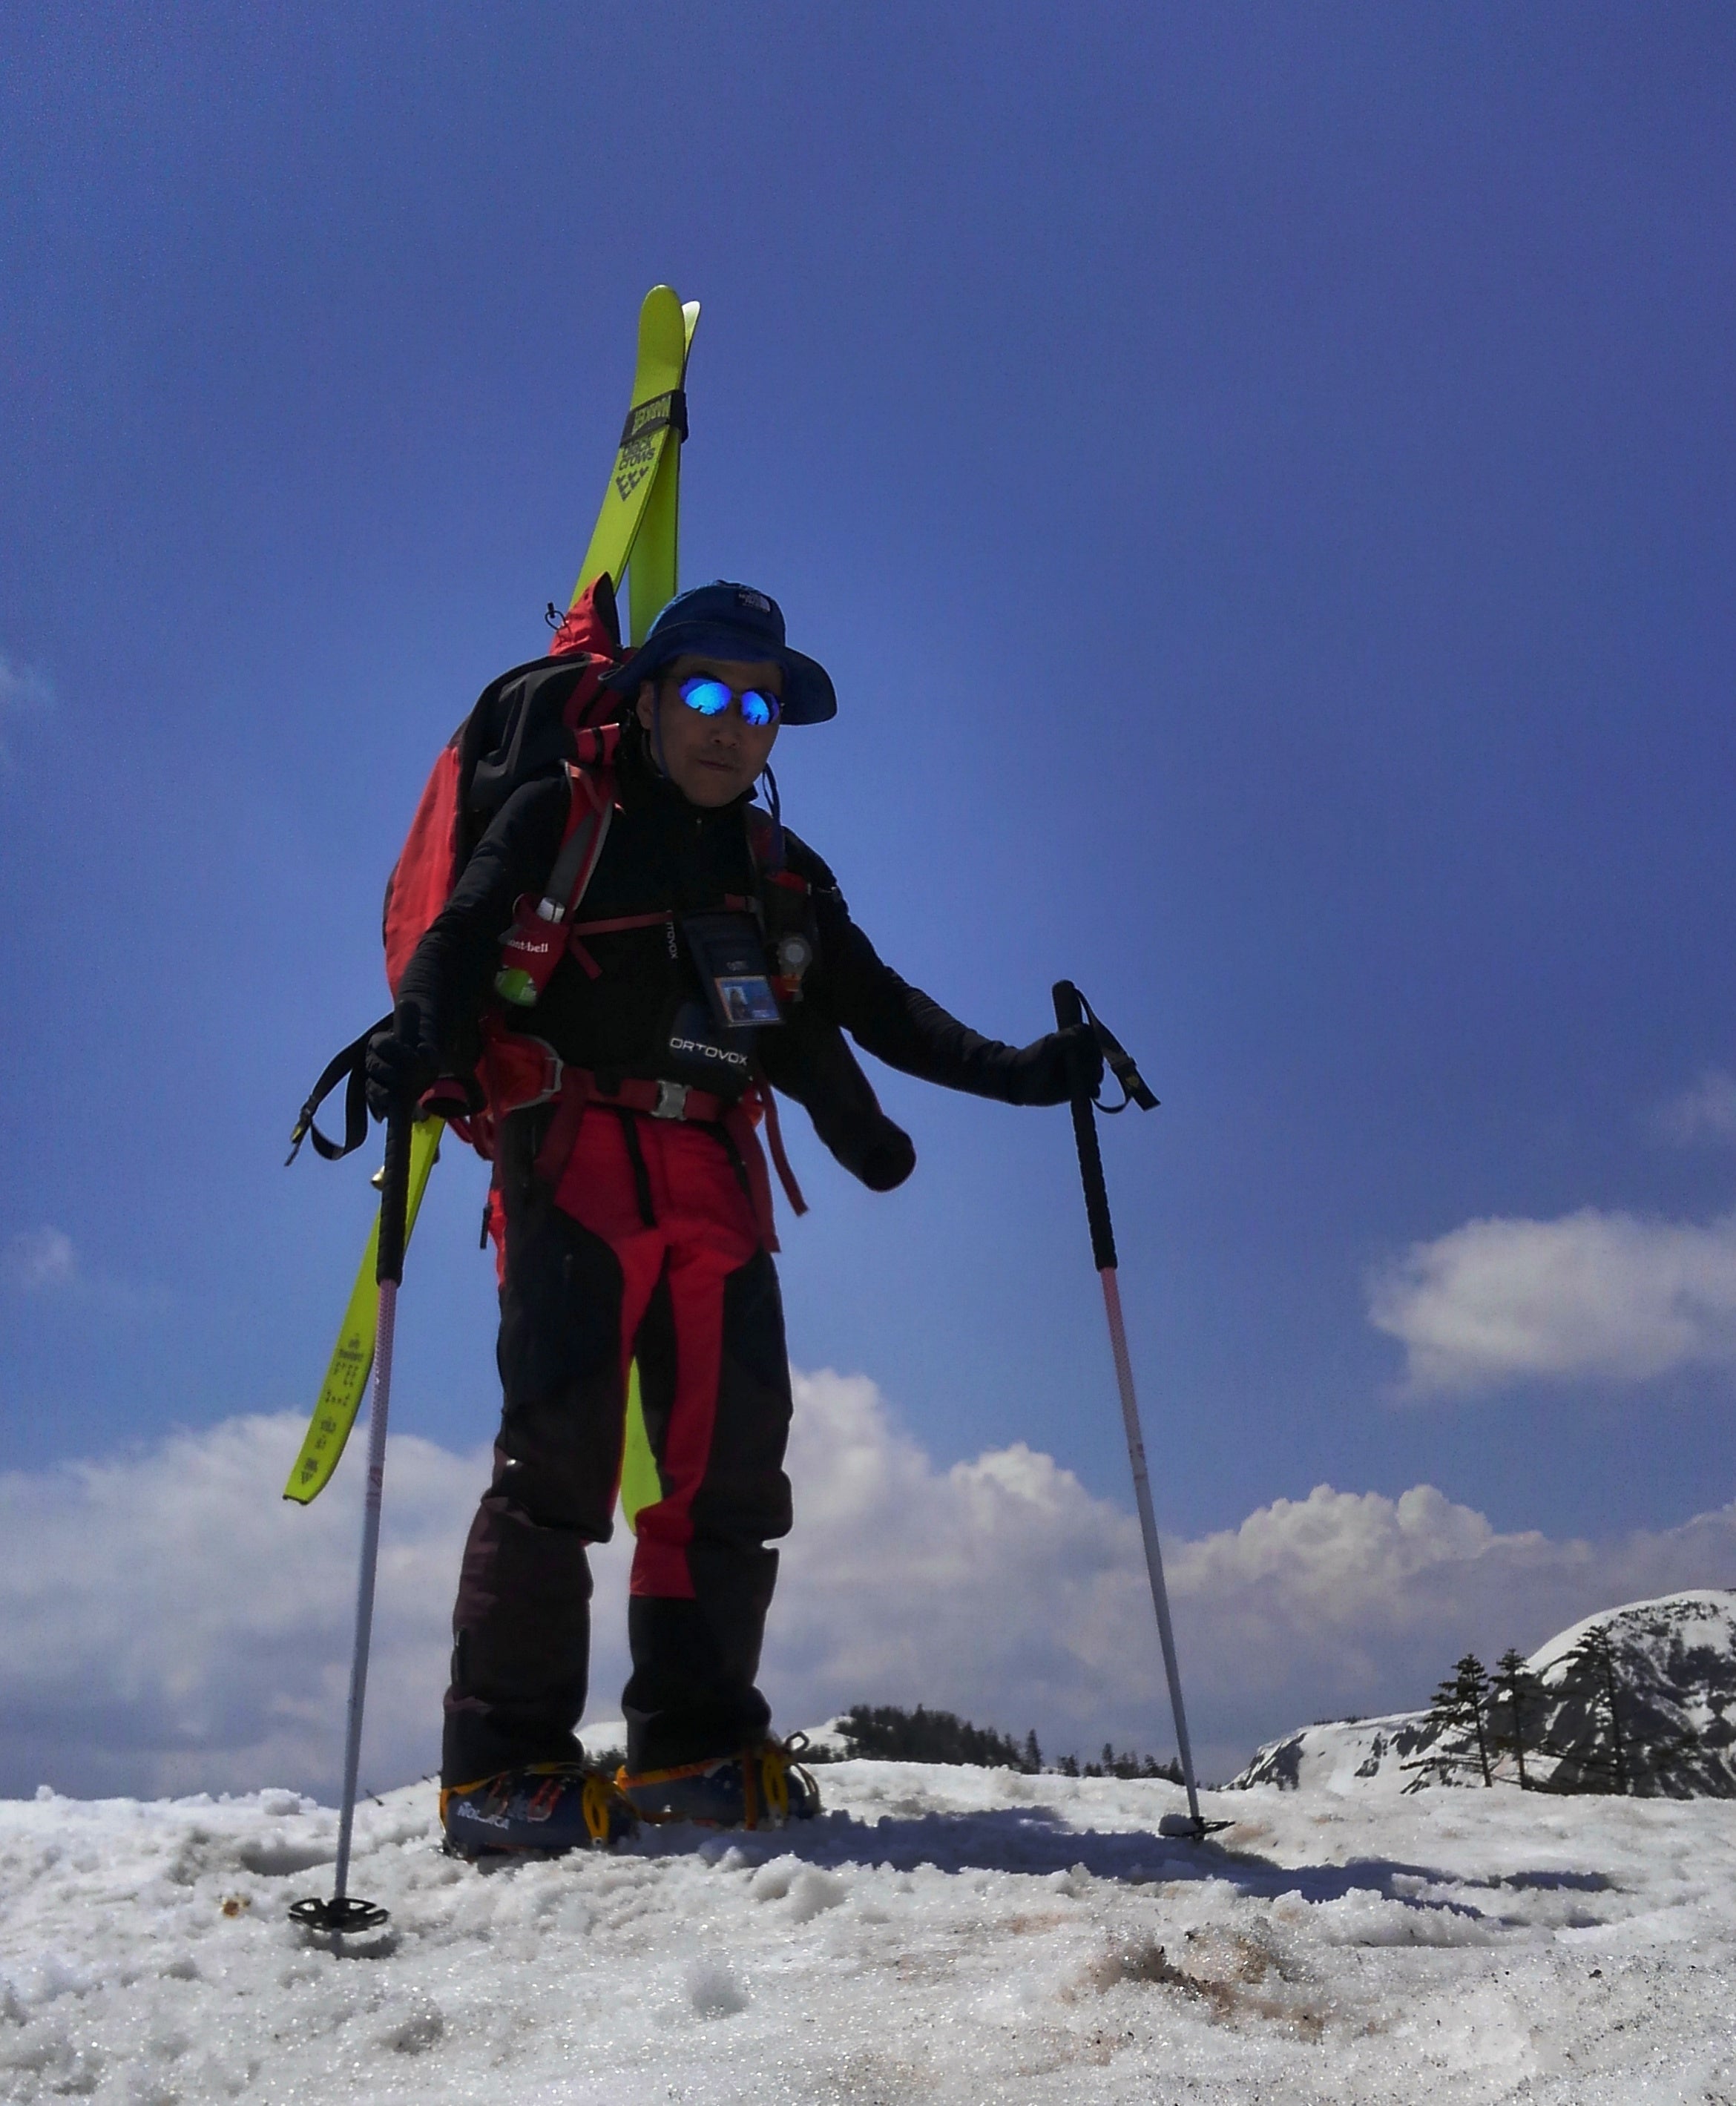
(711, 696)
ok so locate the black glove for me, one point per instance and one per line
(399, 1069)
(888, 1159)
(1053, 1070)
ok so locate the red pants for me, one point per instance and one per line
(649, 1246)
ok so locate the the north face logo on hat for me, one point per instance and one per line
(745, 596)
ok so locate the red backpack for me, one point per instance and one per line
(551, 714)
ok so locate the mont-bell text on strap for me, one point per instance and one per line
(537, 942)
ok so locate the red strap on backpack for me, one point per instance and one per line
(537, 942)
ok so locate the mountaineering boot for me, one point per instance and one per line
(760, 1787)
(546, 1808)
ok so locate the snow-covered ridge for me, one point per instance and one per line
(947, 1935)
(1674, 1660)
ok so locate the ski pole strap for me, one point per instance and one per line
(1069, 1009)
(351, 1062)
(1119, 1061)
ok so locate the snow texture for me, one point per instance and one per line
(1675, 1662)
(954, 1935)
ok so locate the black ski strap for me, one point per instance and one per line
(647, 417)
(353, 1062)
(1120, 1064)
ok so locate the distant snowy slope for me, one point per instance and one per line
(1675, 1667)
(952, 1936)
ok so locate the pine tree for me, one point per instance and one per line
(1596, 1654)
(1514, 1685)
(1460, 1707)
(887, 1732)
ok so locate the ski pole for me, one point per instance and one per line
(1071, 1008)
(343, 1912)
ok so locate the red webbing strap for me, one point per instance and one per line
(621, 921)
(742, 1127)
(576, 930)
(559, 1142)
(587, 830)
(775, 1141)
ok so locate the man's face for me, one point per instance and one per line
(710, 760)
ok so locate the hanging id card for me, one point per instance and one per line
(729, 952)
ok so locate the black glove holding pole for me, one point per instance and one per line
(1065, 1064)
(401, 1063)
(1069, 1015)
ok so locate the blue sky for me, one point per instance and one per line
(1262, 480)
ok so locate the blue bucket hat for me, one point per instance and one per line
(731, 621)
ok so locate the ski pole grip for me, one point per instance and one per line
(1068, 1010)
(395, 1185)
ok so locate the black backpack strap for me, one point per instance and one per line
(351, 1062)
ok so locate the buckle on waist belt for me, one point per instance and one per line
(519, 1071)
(671, 1101)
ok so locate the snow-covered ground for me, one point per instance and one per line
(944, 1934)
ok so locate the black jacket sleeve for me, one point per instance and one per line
(453, 970)
(810, 1059)
(904, 1027)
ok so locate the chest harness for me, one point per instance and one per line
(520, 1071)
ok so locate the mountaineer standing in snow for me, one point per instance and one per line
(712, 956)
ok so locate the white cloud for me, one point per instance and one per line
(23, 691)
(37, 1260)
(1705, 1112)
(168, 1624)
(1597, 1295)
(46, 1262)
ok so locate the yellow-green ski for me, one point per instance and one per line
(640, 1485)
(346, 1375)
(648, 463)
(640, 511)
(653, 576)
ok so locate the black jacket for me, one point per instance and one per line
(664, 855)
